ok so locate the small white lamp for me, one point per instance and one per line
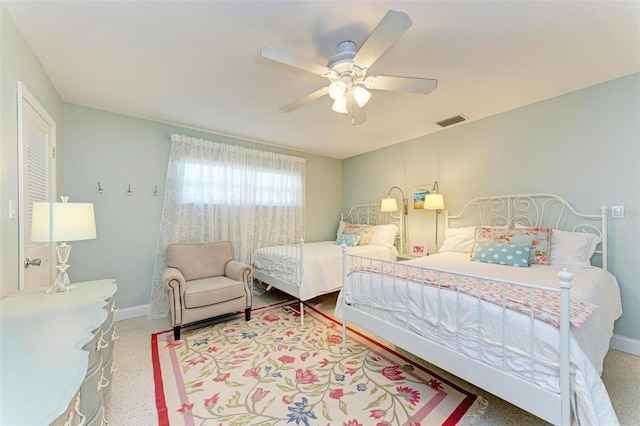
(62, 222)
(434, 201)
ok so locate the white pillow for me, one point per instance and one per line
(572, 248)
(385, 235)
(460, 240)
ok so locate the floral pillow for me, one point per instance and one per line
(348, 240)
(538, 238)
(365, 232)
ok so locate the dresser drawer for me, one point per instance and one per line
(106, 349)
(69, 417)
(92, 348)
(111, 308)
(97, 417)
(109, 368)
(91, 392)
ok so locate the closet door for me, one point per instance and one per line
(37, 177)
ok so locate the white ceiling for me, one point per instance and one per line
(198, 64)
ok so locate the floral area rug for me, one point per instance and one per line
(273, 371)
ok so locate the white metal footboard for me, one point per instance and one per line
(279, 265)
(445, 337)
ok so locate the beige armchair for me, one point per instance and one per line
(204, 282)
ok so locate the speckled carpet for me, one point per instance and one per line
(272, 371)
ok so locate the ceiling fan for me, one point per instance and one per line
(347, 70)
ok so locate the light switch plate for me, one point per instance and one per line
(617, 212)
(12, 209)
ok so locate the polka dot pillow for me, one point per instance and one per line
(502, 254)
(349, 240)
(538, 238)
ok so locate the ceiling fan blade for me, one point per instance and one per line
(357, 113)
(305, 100)
(401, 84)
(388, 31)
(288, 58)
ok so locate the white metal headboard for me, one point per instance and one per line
(370, 214)
(532, 210)
(363, 214)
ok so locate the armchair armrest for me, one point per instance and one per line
(174, 281)
(237, 271)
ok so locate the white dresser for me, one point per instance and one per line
(56, 355)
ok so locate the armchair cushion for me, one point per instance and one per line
(209, 291)
(199, 260)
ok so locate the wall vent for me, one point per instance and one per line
(452, 120)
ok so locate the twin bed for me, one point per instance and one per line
(308, 270)
(464, 311)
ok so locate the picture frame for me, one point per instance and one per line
(420, 193)
(418, 249)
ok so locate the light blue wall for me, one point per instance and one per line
(18, 63)
(583, 146)
(119, 151)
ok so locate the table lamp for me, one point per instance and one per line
(62, 222)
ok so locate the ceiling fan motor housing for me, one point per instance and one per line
(341, 62)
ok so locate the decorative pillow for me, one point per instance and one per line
(538, 238)
(349, 240)
(385, 235)
(572, 248)
(459, 240)
(364, 231)
(502, 254)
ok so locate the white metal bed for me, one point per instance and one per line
(306, 270)
(420, 306)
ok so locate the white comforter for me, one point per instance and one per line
(589, 343)
(321, 266)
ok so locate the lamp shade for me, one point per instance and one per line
(434, 202)
(361, 95)
(340, 105)
(389, 204)
(62, 222)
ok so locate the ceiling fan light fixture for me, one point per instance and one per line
(340, 105)
(361, 95)
(337, 89)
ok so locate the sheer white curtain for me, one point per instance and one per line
(215, 191)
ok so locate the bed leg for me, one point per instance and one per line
(301, 313)
(344, 335)
(566, 279)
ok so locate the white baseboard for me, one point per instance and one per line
(127, 313)
(625, 344)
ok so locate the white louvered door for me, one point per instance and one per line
(37, 176)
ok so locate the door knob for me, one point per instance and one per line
(32, 262)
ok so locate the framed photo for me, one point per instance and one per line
(419, 195)
(418, 249)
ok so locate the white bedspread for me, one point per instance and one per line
(589, 343)
(321, 266)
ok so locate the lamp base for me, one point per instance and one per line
(62, 284)
(61, 289)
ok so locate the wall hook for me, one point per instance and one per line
(129, 191)
(155, 191)
(100, 190)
